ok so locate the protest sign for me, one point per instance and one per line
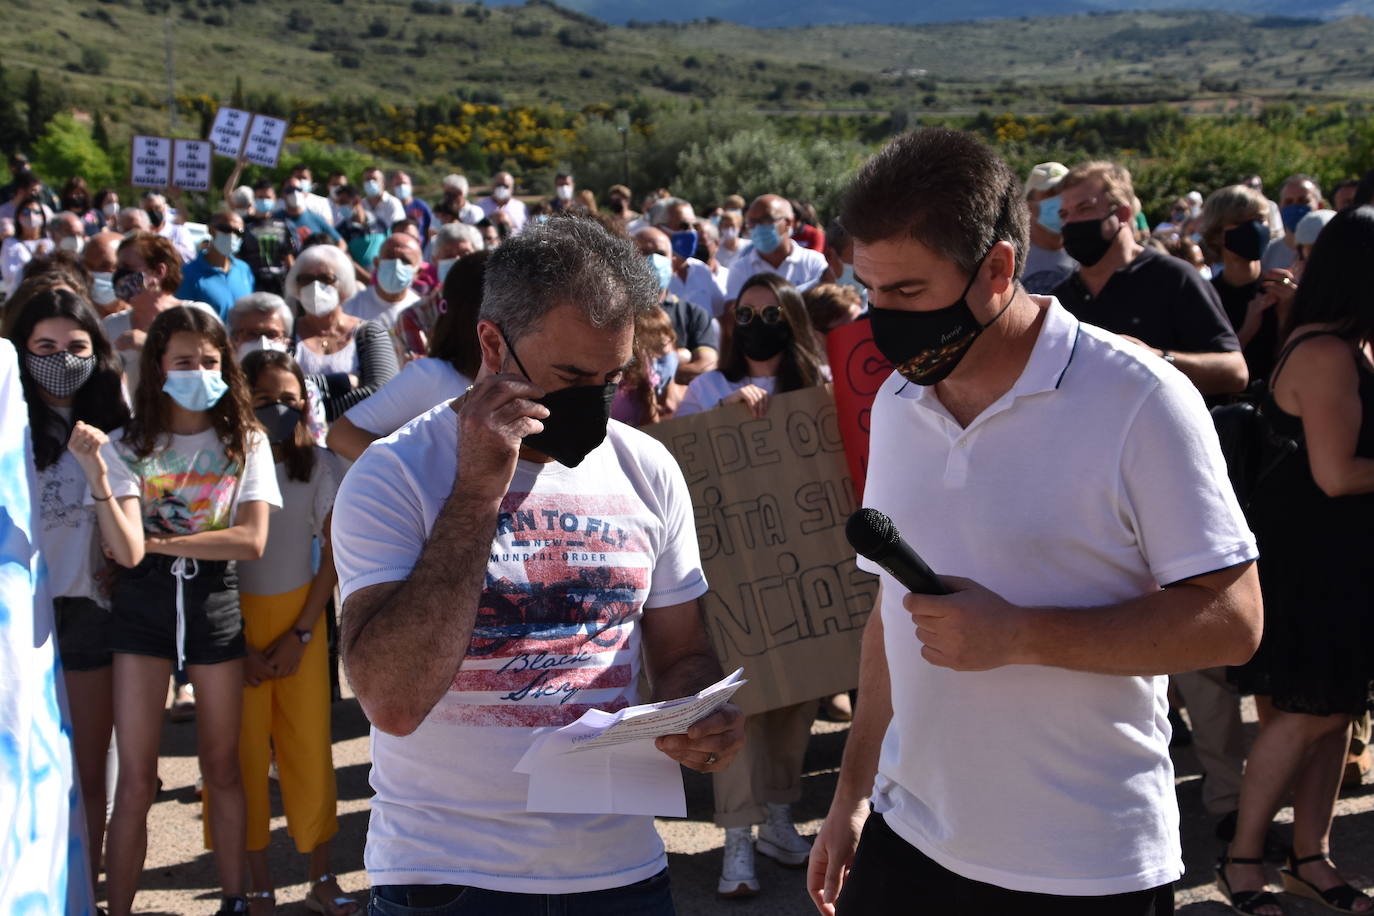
(859, 370)
(770, 497)
(191, 164)
(150, 162)
(264, 141)
(229, 131)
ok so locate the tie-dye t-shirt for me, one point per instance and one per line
(579, 557)
(190, 484)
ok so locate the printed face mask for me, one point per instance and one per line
(318, 299)
(195, 389)
(1084, 242)
(394, 276)
(129, 283)
(60, 374)
(102, 287)
(577, 419)
(1248, 240)
(927, 346)
(279, 420)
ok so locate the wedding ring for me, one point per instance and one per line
(1287, 282)
(711, 759)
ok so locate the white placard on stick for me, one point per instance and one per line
(191, 164)
(264, 141)
(229, 131)
(150, 162)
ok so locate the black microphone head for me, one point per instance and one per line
(870, 532)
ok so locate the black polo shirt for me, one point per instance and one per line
(1158, 299)
(692, 323)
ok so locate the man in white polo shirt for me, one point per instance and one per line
(769, 222)
(1074, 485)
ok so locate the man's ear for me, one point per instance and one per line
(492, 345)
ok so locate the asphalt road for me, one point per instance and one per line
(179, 875)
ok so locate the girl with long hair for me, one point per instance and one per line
(1314, 520)
(30, 240)
(286, 673)
(70, 377)
(199, 461)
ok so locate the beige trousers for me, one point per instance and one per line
(768, 768)
(1218, 737)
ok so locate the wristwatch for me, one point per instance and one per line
(1168, 357)
(303, 635)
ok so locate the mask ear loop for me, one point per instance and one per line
(511, 348)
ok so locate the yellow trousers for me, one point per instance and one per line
(291, 716)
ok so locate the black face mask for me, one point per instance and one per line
(577, 419)
(279, 420)
(155, 217)
(1248, 240)
(1084, 242)
(927, 346)
(761, 341)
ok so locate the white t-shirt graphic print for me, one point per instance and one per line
(578, 557)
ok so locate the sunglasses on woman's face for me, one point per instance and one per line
(744, 314)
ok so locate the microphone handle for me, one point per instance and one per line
(904, 565)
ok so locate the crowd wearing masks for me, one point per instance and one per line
(281, 447)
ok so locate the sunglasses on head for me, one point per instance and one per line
(771, 314)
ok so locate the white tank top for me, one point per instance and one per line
(343, 361)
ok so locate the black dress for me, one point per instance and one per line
(1316, 571)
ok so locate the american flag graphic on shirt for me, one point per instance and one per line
(556, 630)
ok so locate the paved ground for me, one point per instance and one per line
(179, 876)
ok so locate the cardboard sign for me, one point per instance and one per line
(859, 370)
(264, 141)
(771, 497)
(191, 164)
(229, 131)
(150, 162)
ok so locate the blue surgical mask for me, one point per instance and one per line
(663, 267)
(306, 186)
(443, 266)
(394, 275)
(262, 205)
(403, 191)
(765, 238)
(1293, 214)
(1049, 214)
(195, 389)
(371, 188)
(228, 243)
(102, 287)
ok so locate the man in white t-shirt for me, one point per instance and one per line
(503, 206)
(383, 209)
(503, 560)
(1074, 485)
(769, 222)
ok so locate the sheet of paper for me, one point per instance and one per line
(229, 130)
(151, 162)
(573, 770)
(191, 165)
(265, 137)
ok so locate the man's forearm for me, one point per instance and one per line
(1183, 628)
(405, 655)
(687, 675)
(1214, 373)
(872, 713)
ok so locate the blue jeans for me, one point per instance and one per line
(650, 897)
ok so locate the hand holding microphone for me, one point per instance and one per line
(960, 624)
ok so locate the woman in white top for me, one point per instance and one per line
(453, 360)
(29, 240)
(347, 357)
(771, 350)
(147, 275)
(732, 245)
(71, 384)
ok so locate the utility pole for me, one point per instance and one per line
(171, 71)
(625, 153)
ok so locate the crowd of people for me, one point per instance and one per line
(310, 411)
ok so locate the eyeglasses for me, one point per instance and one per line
(227, 229)
(307, 279)
(745, 314)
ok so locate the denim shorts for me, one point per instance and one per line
(650, 897)
(144, 619)
(83, 634)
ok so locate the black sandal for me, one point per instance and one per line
(1340, 898)
(1247, 903)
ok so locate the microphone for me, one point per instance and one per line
(874, 537)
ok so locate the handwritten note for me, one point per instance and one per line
(264, 141)
(229, 130)
(150, 162)
(191, 164)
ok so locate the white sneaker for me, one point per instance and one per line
(779, 840)
(737, 870)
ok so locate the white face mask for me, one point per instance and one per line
(500, 193)
(319, 299)
(729, 234)
(72, 243)
(102, 287)
(29, 221)
(262, 343)
(111, 210)
(564, 192)
(295, 200)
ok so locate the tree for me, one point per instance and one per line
(760, 161)
(67, 148)
(101, 135)
(13, 129)
(41, 105)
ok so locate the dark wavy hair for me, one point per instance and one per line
(299, 453)
(455, 332)
(232, 416)
(1335, 283)
(99, 402)
(801, 361)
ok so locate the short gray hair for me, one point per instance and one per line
(137, 214)
(267, 304)
(456, 182)
(333, 258)
(242, 196)
(659, 212)
(458, 232)
(569, 260)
